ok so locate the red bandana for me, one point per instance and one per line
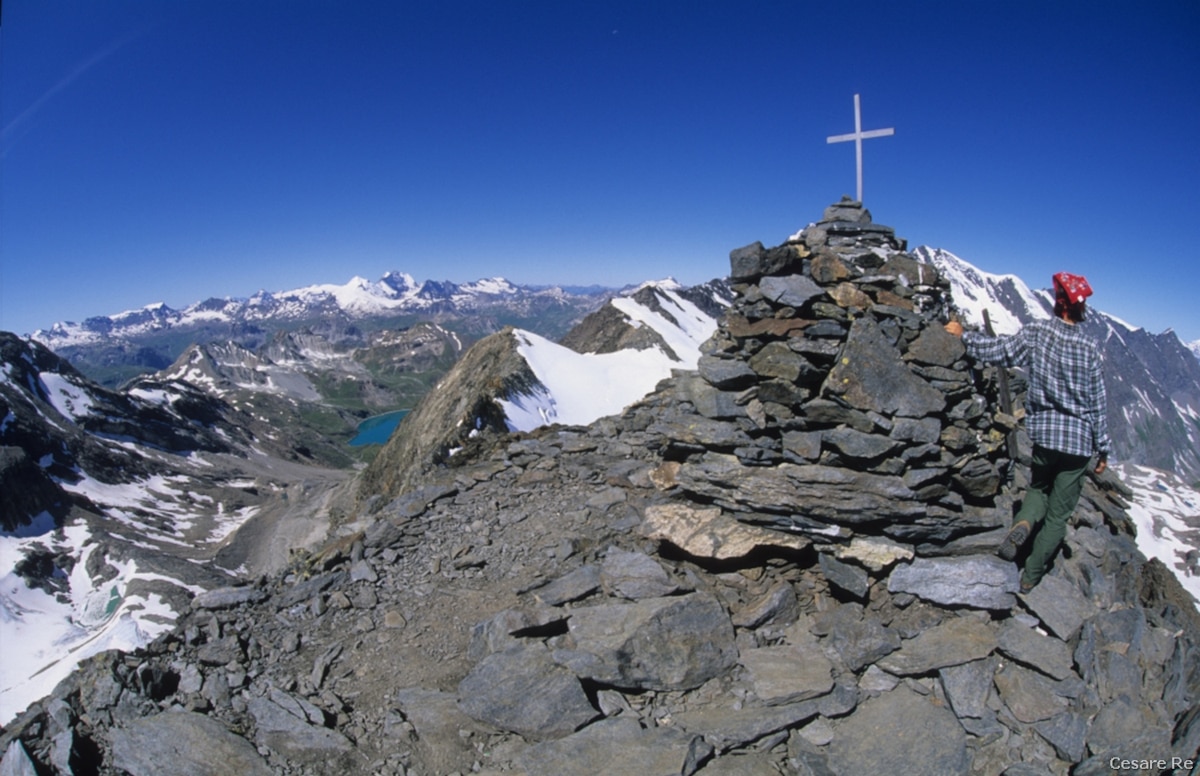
(1073, 288)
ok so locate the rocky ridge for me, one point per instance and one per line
(779, 563)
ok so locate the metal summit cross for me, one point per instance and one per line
(858, 136)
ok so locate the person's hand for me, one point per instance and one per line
(955, 328)
(1101, 464)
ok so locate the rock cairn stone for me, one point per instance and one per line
(844, 408)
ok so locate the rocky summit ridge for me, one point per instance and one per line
(780, 562)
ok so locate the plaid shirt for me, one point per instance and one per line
(1066, 404)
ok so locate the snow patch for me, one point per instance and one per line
(1167, 514)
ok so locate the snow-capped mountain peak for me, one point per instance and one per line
(395, 293)
(1009, 301)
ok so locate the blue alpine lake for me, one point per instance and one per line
(377, 429)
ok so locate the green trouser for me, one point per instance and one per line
(1056, 480)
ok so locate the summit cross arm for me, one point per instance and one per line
(858, 136)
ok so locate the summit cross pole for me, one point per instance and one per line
(858, 136)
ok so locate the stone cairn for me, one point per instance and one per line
(831, 402)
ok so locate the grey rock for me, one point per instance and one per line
(979, 581)
(726, 373)
(1067, 733)
(778, 607)
(499, 632)
(292, 734)
(875, 681)
(1043, 653)
(790, 290)
(788, 674)
(1119, 724)
(804, 444)
(1029, 695)
(572, 586)
(844, 576)
(935, 346)
(858, 640)
(858, 448)
(182, 743)
(746, 263)
(957, 640)
(658, 643)
(917, 429)
(617, 747)
(634, 575)
(776, 359)
(817, 492)
(16, 762)
(871, 376)
(899, 732)
(439, 725)
(967, 686)
(522, 690)
(712, 402)
(227, 597)
(731, 728)
(1059, 605)
(979, 479)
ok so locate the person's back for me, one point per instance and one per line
(1065, 403)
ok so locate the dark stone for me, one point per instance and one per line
(747, 263)
(858, 447)
(1060, 606)
(623, 746)
(182, 743)
(1067, 733)
(957, 640)
(858, 640)
(1029, 695)
(657, 643)
(900, 732)
(522, 690)
(871, 376)
(967, 686)
(634, 575)
(852, 579)
(920, 430)
(1048, 655)
(776, 359)
(227, 597)
(980, 581)
(791, 290)
(912, 272)
(726, 373)
(579, 583)
(935, 346)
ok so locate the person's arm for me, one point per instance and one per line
(1006, 351)
(1098, 415)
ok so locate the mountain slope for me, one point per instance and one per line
(117, 507)
(516, 380)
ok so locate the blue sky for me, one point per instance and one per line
(171, 151)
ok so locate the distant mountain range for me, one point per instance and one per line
(112, 349)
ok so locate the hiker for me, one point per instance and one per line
(1066, 417)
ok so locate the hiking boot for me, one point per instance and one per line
(1026, 586)
(1012, 543)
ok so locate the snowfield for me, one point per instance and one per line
(1167, 514)
(578, 388)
